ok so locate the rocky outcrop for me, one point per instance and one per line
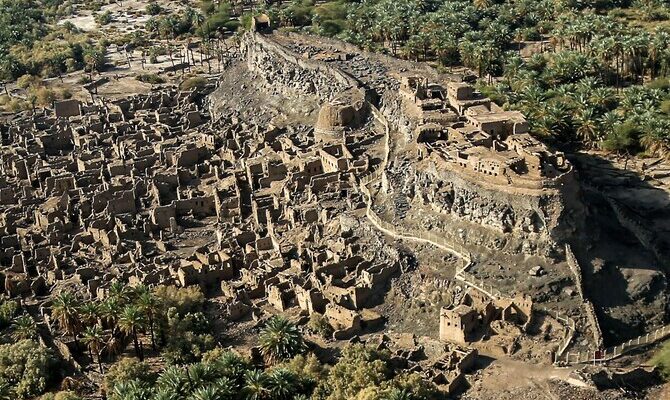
(533, 219)
(289, 73)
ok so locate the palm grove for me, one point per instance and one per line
(588, 82)
(117, 333)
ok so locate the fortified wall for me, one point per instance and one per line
(345, 103)
(290, 73)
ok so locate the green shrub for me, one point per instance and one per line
(665, 106)
(661, 83)
(26, 81)
(280, 340)
(622, 138)
(8, 308)
(64, 395)
(662, 360)
(319, 325)
(150, 78)
(26, 367)
(153, 8)
(126, 370)
(103, 18)
(195, 82)
(184, 300)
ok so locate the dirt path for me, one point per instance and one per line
(504, 375)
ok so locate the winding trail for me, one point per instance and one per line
(462, 274)
(468, 279)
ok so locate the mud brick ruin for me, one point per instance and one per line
(271, 215)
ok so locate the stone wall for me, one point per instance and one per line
(590, 312)
(291, 74)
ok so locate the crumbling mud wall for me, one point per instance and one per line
(287, 72)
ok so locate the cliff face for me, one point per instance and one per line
(532, 221)
(534, 217)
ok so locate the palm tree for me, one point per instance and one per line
(116, 342)
(208, 392)
(398, 394)
(282, 384)
(149, 305)
(65, 311)
(232, 366)
(132, 321)
(199, 374)
(586, 125)
(109, 311)
(256, 385)
(167, 29)
(24, 328)
(6, 391)
(654, 136)
(226, 387)
(131, 390)
(608, 121)
(90, 313)
(280, 340)
(120, 291)
(173, 380)
(94, 338)
(165, 394)
(603, 98)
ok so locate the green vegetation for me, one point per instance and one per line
(66, 395)
(280, 340)
(361, 373)
(662, 360)
(193, 83)
(150, 78)
(103, 18)
(597, 79)
(26, 369)
(216, 19)
(8, 310)
(318, 324)
(172, 26)
(29, 44)
(170, 318)
(153, 8)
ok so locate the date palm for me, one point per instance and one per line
(280, 340)
(131, 322)
(149, 305)
(90, 313)
(199, 375)
(283, 384)
(65, 311)
(397, 394)
(110, 309)
(205, 393)
(165, 394)
(232, 366)
(120, 291)
(586, 124)
(226, 388)
(173, 380)
(94, 339)
(256, 385)
(24, 328)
